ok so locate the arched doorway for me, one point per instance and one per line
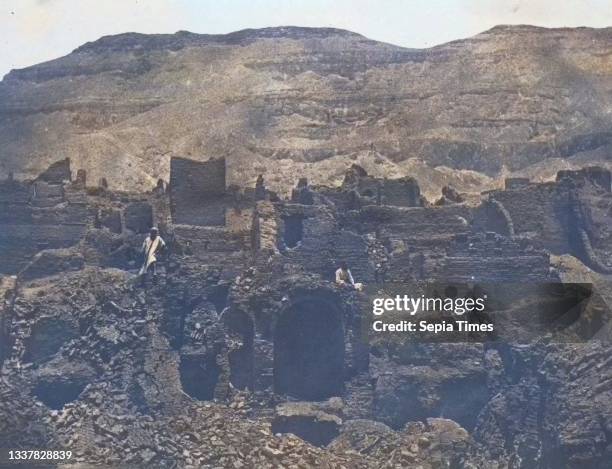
(241, 332)
(309, 350)
(199, 375)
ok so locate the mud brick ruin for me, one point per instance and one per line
(246, 301)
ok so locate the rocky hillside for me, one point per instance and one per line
(311, 101)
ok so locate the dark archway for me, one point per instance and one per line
(219, 296)
(55, 393)
(199, 376)
(294, 230)
(47, 337)
(241, 333)
(309, 350)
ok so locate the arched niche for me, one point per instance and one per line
(241, 332)
(309, 350)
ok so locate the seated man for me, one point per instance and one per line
(152, 245)
(345, 278)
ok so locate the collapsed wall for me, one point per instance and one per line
(47, 213)
(490, 257)
(360, 189)
(54, 221)
(568, 216)
(538, 211)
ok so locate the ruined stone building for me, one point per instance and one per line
(246, 302)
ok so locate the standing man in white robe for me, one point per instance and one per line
(152, 245)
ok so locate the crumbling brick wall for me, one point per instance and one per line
(197, 192)
(314, 250)
(589, 229)
(353, 249)
(595, 175)
(417, 229)
(414, 222)
(45, 214)
(239, 220)
(213, 244)
(265, 227)
(491, 257)
(538, 211)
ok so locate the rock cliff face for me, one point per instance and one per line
(310, 101)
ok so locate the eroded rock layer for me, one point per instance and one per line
(309, 101)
